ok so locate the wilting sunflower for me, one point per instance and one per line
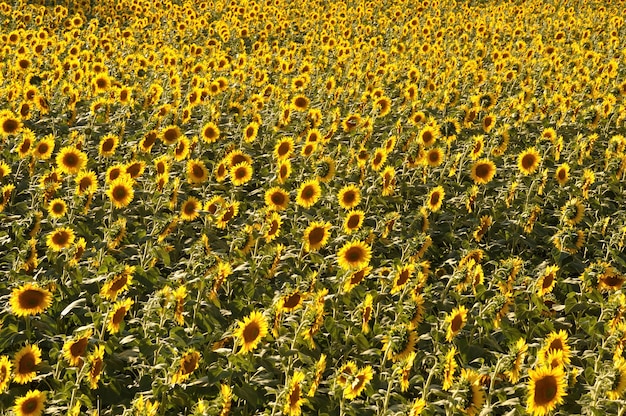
(483, 171)
(353, 221)
(547, 280)
(43, 150)
(210, 133)
(30, 299)
(31, 404)
(276, 198)
(399, 343)
(349, 196)
(546, 390)
(96, 363)
(475, 398)
(60, 238)
(120, 309)
(188, 364)
(435, 198)
(354, 255)
(619, 381)
(190, 209)
(309, 193)
(197, 173)
(25, 363)
(294, 401)
(241, 173)
(555, 341)
(562, 174)
(251, 331)
(74, 349)
(70, 160)
(108, 145)
(316, 235)
(121, 192)
(5, 373)
(57, 208)
(528, 161)
(359, 382)
(518, 353)
(455, 321)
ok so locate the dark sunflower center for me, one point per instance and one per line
(210, 133)
(293, 300)
(403, 277)
(427, 137)
(78, 348)
(483, 170)
(43, 148)
(119, 283)
(316, 235)
(10, 125)
(107, 146)
(357, 277)
(170, 135)
(547, 281)
(241, 173)
(528, 161)
(562, 174)
(26, 364)
(29, 406)
(120, 193)
(349, 197)
(283, 149)
(354, 254)
(61, 238)
(189, 208)
(84, 184)
(353, 221)
(189, 364)
(118, 316)
(433, 157)
(31, 299)
(456, 323)
(228, 214)
(278, 198)
(308, 192)
(300, 102)
(295, 395)
(251, 332)
(613, 281)
(434, 198)
(273, 228)
(545, 390)
(70, 160)
(58, 208)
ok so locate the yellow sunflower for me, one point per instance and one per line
(402, 276)
(5, 373)
(379, 159)
(241, 173)
(427, 136)
(120, 309)
(210, 133)
(309, 193)
(31, 404)
(572, 212)
(562, 174)
(475, 398)
(354, 255)
(276, 198)
(171, 134)
(353, 221)
(449, 369)
(274, 223)
(300, 103)
(483, 171)
(316, 235)
(284, 148)
(359, 382)
(9, 124)
(25, 363)
(118, 284)
(349, 196)
(356, 277)
(229, 212)
(555, 341)
(619, 384)
(546, 390)
(528, 161)
(43, 150)
(60, 238)
(108, 145)
(188, 364)
(74, 349)
(455, 321)
(57, 208)
(518, 352)
(294, 401)
(434, 157)
(283, 171)
(96, 364)
(190, 209)
(366, 313)
(121, 192)
(547, 280)
(70, 160)
(197, 173)
(251, 331)
(30, 299)
(250, 132)
(435, 198)
(399, 343)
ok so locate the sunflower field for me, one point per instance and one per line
(267, 207)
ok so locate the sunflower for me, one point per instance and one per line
(57, 208)
(546, 390)
(309, 193)
(455, 321)
(114, 172)
(353, 221)
(108, 145)
(26, 146)
(30, 299)
(572, 212)
(320, 367)
(5, 170)
(188, 364)
(250, 132)
(617, 389)
(221, 170)
(44, 148)
(488, 123)
(359, 382)
(170, 134)
(31, 404)
(379, 159)
(74, 350)
(5, 373)
(251, 331)
(9, 124)
(121, 192)
(349, 196)
(284, 148)
(60, 238)
(308, 149)
(190, 209)
(118, 284)
(427, 136)
(366, 312)
(197, 173)
(241, 173)
(316, 235)
(274, 223)
(294, 401)
(354, 255)
(276, 198)
(356, 277)
(135, 168)
(435, 198)
(210, 133)
(478, 147)
(351, 123)
(483, 171)
(555, 341)
(417, 407)
(70, 160)
(449, 369)
(399, 343)
(528, 161)
(120, 309)
(434, 157)
(475, 398)
(562, 174)
(518, 352)
(229, 212)
(402, 276)
(291, 301)
(96, 363)
(300, 103)
(547, 280)
(25, 363)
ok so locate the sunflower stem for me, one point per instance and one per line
(431, 373)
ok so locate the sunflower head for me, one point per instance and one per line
(251, 331)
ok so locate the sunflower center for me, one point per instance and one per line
(613, 281)
(108, 144)
(300, 102)
(170, 135)
(189, 364)
(29, 406)
(241, 173)
(483, 170)
(84, 184)
(556, 345)
(547, 281)
(357, 277)
(433, 156)
(545, 390)
(31, 299)
(456, 323)
(96, 367)
(70, 160)
(61, 238)
(26, 364)
(283, 149)
(228, 214)
(353, 221)
(434, 198)
(562, 175)
(78, 348)
(120, 193)
(403, 277)
(427, 137)
(354, 254)
(251, 332)
(316, 235)
(118, 316)
(209, 133)
(292, 300)
(278, 198)
(190, 208)
(119, 283)
(58, 208)
(273, 228)
(294, 397)
(349, 197)
(528, 161)
(308, 192)
(42, 148)
(10, 125)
